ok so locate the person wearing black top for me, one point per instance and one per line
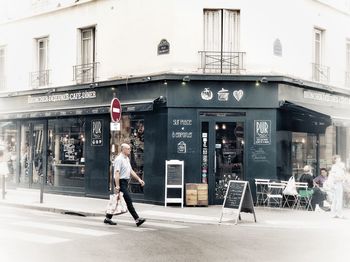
(307, 177)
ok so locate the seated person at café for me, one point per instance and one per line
(319, 194)
(307, 177)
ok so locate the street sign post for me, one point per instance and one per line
(116, 110)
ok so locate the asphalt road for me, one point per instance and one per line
(31, 235)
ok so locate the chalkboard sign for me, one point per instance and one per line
(174, 179)
(239, 198)
(174, 174)
(234, 195)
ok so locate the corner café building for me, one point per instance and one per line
(222, 127)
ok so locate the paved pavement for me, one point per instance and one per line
(266, 217)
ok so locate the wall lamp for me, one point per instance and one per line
(146, 79)
(264, 80)
(186, 79)
(93, 85)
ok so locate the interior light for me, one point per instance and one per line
(223, 126)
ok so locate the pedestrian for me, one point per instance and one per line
(122, 173)
(337, 176)
(4, 170)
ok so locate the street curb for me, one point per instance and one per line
(52, 209)
(91, 214)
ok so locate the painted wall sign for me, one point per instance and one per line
(163, 47)
(262, 132)
(182, 124)
(277, 47)
(222, 95)
(181, 147)
(69, 96)
(325, 97)
(96, 133)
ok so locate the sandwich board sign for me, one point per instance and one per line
(174, 179)
(238, 198)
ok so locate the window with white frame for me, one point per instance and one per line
(320, 72)
(85, 71)
(2, 68)
(347, 65)
(40, 77)
(221, 38)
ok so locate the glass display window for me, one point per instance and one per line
(65, 152)
(131, 131)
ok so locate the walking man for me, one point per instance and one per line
(122, 173)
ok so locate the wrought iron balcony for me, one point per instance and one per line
(320, 73)
(85, 73)
(39, 78)
(222, 62)
(347, 79)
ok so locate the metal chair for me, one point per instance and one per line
(275, 194)
(304, 199)
(261, 187)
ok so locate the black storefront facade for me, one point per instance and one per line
(222, 127)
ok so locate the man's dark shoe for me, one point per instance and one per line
(140, 221)
(109, 221)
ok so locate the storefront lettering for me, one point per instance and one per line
(62, 97)
(324, 97)
(182, 134)
(182, 122)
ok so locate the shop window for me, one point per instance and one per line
(66, 161)
(304, 150)
(8, 145)
(131, 132)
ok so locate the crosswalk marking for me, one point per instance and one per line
(32, 237)
(147, 223)
(68, 229)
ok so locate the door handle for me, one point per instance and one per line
(215, 161)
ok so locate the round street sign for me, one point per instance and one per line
(116, 110)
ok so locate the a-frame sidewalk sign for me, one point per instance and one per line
(239, 198)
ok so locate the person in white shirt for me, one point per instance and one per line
(122, 173)
(4, 170)
(337, 176)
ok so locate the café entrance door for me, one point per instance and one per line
(222, 155)
(33, 153)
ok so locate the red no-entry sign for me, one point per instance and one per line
(116, 110)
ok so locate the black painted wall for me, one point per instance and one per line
(97, 159)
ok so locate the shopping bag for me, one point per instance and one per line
(116, 204)
(290, 188)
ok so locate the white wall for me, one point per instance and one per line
(129, 31)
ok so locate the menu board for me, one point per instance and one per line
(174, 174)
(238, 196)
(234, 195)
(174, 180)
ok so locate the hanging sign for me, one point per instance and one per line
(238, 198)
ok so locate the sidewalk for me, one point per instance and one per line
(269, 217)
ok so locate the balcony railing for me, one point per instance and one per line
(222, 62)
(85, 73)
(320, 73)
(347, 79)
(39, 78)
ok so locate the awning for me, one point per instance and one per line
(339, 116)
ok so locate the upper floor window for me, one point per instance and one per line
(347, 65)
(40, 77)
(2, 68)
(86, 70)
(320, 72)
(221, 41)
